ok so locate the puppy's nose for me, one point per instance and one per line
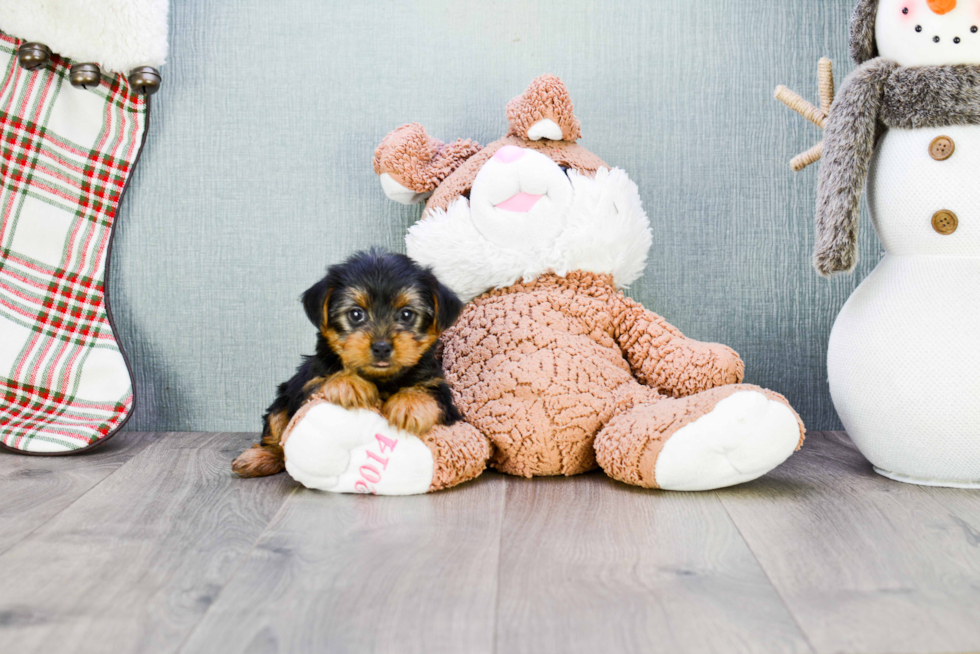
(381, 349)
(509, 154)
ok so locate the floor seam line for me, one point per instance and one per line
(772, 584)
(500, 549)
(233, 575)
(77, 499)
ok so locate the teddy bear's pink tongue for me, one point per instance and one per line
(520, 203)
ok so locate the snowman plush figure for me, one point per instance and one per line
(904, 354)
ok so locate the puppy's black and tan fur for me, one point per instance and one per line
(379, 318)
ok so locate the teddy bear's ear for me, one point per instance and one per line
(544, 111)
(411, 163)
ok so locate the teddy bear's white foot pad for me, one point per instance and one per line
(745, 436)
(341, 451)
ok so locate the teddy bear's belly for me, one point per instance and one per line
(540, 388)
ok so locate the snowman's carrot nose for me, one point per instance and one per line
(942, 6)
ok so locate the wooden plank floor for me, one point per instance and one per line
(150, 544)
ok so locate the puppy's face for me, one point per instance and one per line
(381, 313)
(380, 331)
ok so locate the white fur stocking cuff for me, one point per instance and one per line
(119, 35)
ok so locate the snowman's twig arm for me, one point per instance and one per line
(793, 100)
(825, 76)
(848, 146)
(811, 156)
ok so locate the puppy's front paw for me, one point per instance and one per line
(350, 392)
(413, 410)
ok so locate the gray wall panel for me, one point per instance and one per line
(257, 172)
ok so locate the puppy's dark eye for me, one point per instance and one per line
(406, 316)
(356, 316)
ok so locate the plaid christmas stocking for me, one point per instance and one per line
(66, 155)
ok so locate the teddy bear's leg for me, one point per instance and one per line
(721, 437)
(459, 453)
(356, 451)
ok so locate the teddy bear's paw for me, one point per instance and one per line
(743, 437)
(356, 451)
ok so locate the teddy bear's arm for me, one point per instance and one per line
(663, 358)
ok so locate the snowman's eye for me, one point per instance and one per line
(905, 10)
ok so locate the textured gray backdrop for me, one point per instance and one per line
(257, 172)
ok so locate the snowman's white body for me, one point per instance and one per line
(904, 355)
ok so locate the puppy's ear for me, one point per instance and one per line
(447, 305)
(315, 301)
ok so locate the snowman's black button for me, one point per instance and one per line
(942, 148)
(945, 222)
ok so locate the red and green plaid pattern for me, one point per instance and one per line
(65, 157)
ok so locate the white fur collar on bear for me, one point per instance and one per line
(605, 231)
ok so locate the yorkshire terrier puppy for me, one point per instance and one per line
(379, 317)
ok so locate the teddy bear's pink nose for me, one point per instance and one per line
(509, 154)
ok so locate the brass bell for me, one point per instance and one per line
(85, 76)
(32, 56)
(145, 80)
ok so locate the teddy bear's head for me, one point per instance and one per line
(917, 32)
(533, 202)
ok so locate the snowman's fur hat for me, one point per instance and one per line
(863, 45)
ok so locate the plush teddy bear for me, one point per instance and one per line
(555, 371)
